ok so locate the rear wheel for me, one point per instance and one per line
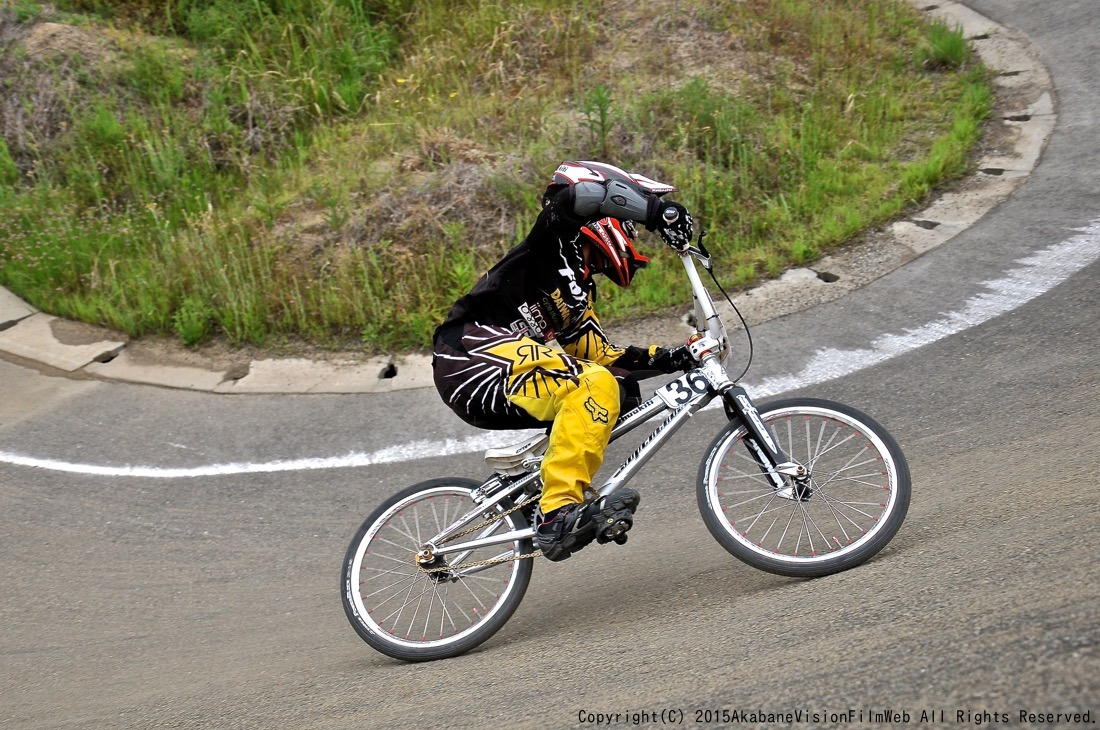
(413, 615)
(848, 509)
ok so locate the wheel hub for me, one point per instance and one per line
(431, 564)
(798, 491)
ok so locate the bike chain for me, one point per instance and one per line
(486, 523)
(491, 561)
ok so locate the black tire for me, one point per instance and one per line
(860, 482)
(430, 619)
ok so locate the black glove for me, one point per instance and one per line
(675, 226)
(673, 360)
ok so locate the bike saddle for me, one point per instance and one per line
(518, 458)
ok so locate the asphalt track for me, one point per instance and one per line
(170, 558)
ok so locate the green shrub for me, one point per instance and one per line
(9, 173)
(943, 47)
(193, 321)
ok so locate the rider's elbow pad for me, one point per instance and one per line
(616, 199)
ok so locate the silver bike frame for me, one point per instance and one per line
(680, 399)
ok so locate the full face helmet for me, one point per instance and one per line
(612, 249)
(611, 239)
(570, 173)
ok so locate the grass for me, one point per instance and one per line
(274, 172)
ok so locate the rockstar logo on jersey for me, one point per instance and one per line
(598, 412)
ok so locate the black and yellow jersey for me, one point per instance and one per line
(541, 289)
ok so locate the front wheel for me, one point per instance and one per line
(848, 509)
(414, 615)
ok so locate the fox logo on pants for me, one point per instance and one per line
(598, 412)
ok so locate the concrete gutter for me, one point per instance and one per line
(1018, 136)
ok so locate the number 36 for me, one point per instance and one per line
(684, 389)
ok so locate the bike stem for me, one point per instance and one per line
(704, 305)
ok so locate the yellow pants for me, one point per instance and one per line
(583, 408)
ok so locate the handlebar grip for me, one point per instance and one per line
(671, 215)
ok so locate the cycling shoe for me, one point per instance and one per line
(564, 531)
(568, 529)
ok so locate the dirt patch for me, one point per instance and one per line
(166, 351)
(448, 188)
(673, 43)
(78, 333)
(46, 41)
(218, 356)
(40, 67)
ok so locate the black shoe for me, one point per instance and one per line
(564, 531)
(567, 529)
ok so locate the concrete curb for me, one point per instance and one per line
(34, 338)
(31, 335)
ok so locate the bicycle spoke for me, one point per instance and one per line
(811, 522)
(406, 532)
(391, 585)
(417, 608)
(767, 495)
(783, 535)
(445, 613)
(833, 514)
(403, 605)
(404, 548)
(419, 602)
(381, 573)
(830, 446)
(458, 606)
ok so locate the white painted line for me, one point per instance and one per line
(389, 455)
(1035, 275)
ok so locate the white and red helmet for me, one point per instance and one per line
(613, 252)
(570, 173)
(612, 249)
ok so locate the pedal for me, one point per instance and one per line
(615, 532)
(617, 517)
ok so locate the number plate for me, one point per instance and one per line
(683, 390)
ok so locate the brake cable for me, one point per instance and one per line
(708, 266)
